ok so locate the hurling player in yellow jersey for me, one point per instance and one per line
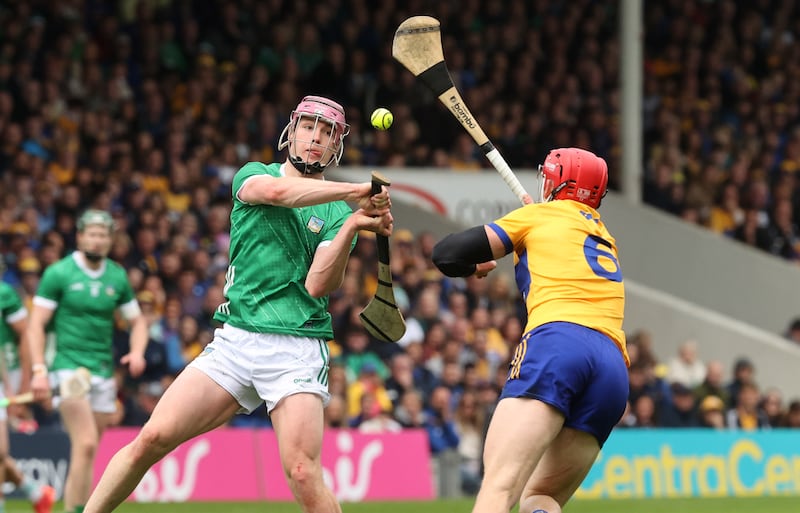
(568, 383)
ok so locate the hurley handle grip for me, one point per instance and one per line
(378, 181)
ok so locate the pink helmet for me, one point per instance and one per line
(573, 173)
(321, 109)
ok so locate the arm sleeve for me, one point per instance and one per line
(457, 254)
(330, 229)
(50, 285)
(246, 172)
(12, 308)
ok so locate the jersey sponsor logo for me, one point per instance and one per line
(76, 286)
(302, 380)
(315, 224)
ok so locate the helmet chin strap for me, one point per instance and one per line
(553, 193)
(557, 189)
(304, 167)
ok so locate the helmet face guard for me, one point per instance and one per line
(573, 173)
(317, 110)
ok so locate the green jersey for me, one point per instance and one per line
(84, 301)
(12, 310)
(271, 251)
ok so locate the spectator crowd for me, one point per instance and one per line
(146, 109)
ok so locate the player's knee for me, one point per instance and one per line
(151, 444)
(302, 471)
(84, 448)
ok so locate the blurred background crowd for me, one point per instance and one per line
(147, 109)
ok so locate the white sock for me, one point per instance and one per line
(33, 491)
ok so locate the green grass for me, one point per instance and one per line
(724, 505)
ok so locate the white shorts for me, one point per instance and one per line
(265, 367)
(14, 379)
(102, 394)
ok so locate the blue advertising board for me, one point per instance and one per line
(43, 457)
(641, 463)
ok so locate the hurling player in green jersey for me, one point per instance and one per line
(79, 294)
(16, 354)
(291, 237)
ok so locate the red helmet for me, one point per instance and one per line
(573, 173)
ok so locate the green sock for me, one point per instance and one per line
(78, 509)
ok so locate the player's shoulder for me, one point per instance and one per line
(115, 268)
(259, 168)
(570, 208)
(250, 170)
(61, 265)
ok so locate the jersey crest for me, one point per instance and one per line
(315, 224)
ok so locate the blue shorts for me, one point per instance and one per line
(575, 369)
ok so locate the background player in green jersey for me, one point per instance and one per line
(291, 237)
(16, 354)
(80, 294)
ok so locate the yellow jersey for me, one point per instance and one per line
(566, 266)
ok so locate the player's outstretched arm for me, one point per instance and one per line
(293, 191)
(469, 252)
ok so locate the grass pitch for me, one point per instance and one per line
(722, 505)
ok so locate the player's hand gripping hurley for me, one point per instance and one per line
(417, 45)
(76, 387)
(381, 317)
